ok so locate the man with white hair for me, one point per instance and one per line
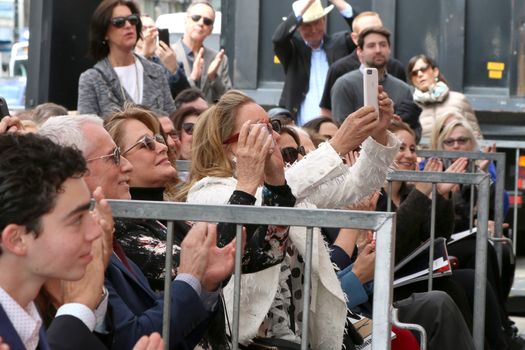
(306, 57)
(136, 308)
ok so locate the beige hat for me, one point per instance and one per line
(314, 12)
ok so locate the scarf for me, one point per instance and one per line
(436, 94)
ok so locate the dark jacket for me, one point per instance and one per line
(413, 219)
(295, 56)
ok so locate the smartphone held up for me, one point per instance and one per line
(370, 88)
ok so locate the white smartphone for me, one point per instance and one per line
(370, 82)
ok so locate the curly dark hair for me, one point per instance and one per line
(100, 21)
(32, 171)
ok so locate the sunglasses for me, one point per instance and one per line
(274, 125)
(291, 154)
(423, 69)
(207, 21)
(120, 22)
(115, 156)
(148, 142)
(462, 141)
(188, 128)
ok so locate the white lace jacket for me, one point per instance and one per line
(320, 180)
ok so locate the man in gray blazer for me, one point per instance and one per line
(205, 68)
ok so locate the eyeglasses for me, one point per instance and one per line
(120, 22)
(115, 156)
(206, 20)
(188, 128)
(148, 142)
(291, 154)
(274, 125)
(423, 69)
(462, 141)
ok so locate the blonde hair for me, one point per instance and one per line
(439, 125)
(447, 129)
(209, 157)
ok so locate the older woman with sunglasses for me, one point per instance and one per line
(320, 179)
(138, 135)
(120, 76)
(434, 96)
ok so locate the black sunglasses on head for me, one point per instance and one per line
(120, 22)
(188, 128)
(207, 21)
(291, 154)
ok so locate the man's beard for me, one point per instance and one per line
(380, 66)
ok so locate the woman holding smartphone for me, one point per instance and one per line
(120, 76)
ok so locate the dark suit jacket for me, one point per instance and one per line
(348, 64)
(11, 337)
(136, 309)
(67, 332)
(295, 56)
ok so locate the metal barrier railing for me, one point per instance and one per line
(483, 183)
(382, 223)
(518, 146)
(499, 159)
(508, 144)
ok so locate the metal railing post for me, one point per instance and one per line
(481, 263)
(237, 287)
(383, 286)
(483, 182)
(306, 288)
(515, 208)
(166, 313)
(432, 237)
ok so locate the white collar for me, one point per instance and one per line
(26, 321)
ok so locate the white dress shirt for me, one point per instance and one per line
(26, 321)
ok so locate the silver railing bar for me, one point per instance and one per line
(500, 160)
(383, 223)
(483, 182)
(166, 314)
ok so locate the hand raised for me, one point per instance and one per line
(432, 165)
(10, 124)
(354, 130)
(215, 64)
(201, 257)
(88, 290)
(168, 57)
(386, 114)
(104, 217)
(198, 65)
(151, 342)
(253, 149)
(459, 166)
(364, 265)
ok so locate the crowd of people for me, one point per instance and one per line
(74, 277)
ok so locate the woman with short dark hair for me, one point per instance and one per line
(120, 76)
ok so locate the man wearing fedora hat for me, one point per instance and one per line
(306, 57)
